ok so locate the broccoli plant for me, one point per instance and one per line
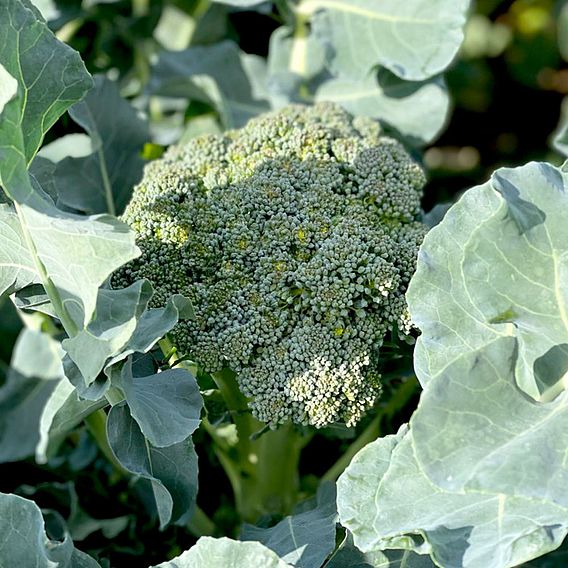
(295, 238)
(227, 322)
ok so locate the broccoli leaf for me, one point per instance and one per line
(417, 110)
(479, 478)
(386, 499)
(306, 539)
(33, 375)
(219, 75)
(415, 39)
(122, 325)
(98, 245)
(102, 181)
(23, 540)
(496, 266)
(166, 406)
(170, 473)
(490, 447)
(50, 78)
(214, 552)
(297, 73)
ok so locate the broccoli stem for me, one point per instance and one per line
(263, 472)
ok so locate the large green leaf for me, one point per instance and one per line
(497, 266)
(495, 439)
(167, 406)
(97, 245)
(216, 552)
(122, 325)
(34, 240)
(414, 39)
(50, 77)
(305, 539)
(219, 75)
(169, 473)
(33, 375)
(387, 501)
(297, 72)
(479, 479)
(417, 110)
(102, 182)
(23, 541)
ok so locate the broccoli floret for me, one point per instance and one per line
(295, 237)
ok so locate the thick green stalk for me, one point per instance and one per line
(277, 468)
(267, 467)
(200, 524)
(263, 472)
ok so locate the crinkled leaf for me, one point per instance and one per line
(34, 374)
(386, 501)
(102, 181)
(297, 72)
(303, 540)
(481, 474)
(215, 552)
(417, 110)
(415, 39)
(170, 473)
(495, 438)
(50, 76)
(79, 253)
(23, 541)
(219, 75)
(167, 406)
(496, 266)
(122, 325)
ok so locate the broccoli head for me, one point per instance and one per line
(295, 238)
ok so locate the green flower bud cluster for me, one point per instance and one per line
(295, 238)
